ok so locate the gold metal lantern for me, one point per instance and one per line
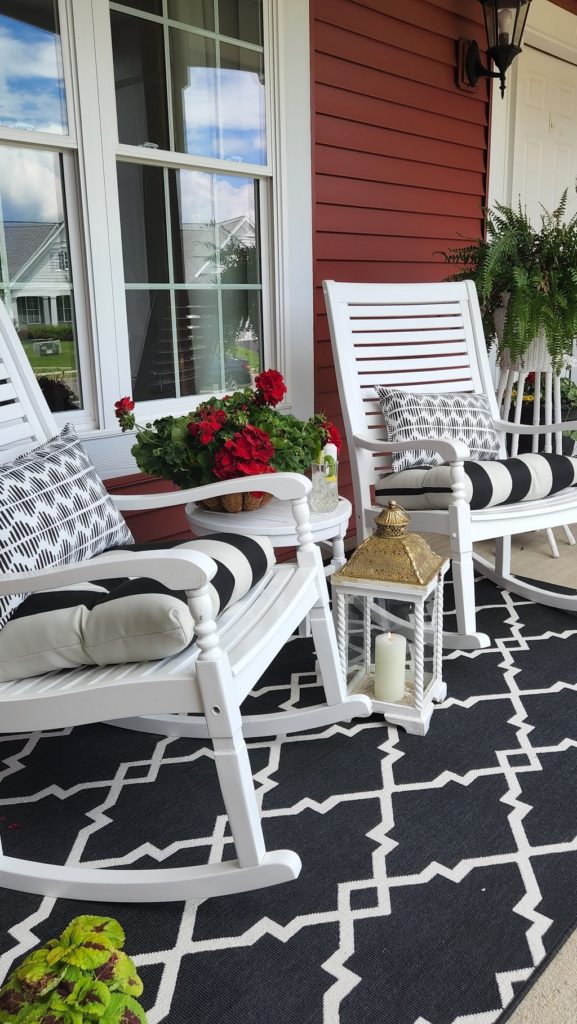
(390, 638)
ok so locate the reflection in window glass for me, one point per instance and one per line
(193, 69)
(148, 6)
(150, 340)
(143, 223)
(139, 77)
(241, 19)
(217, 112)
(202, 331)
(217, 95)
(35, 275)
(199, 13)
(242, 104)
(214, 229)
(32, 97)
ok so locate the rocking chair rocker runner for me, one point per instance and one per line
(210, 678)
(428, 338)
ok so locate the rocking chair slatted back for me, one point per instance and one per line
(429, 338)
(25, 420)
(424, 338)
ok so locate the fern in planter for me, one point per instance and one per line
(530, 273)
(83, 977)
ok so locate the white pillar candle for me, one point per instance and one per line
(390, 657)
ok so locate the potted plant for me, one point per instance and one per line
(83, 977)
(526, 279)
(238, 435)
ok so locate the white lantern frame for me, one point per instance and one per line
(414, 712)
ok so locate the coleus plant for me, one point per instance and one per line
(83, 977)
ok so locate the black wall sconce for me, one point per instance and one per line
(504, 24)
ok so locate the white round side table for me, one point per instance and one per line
(276, 522)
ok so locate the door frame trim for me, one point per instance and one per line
(550, 28)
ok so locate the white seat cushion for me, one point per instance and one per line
(122, 621)
(503, 482)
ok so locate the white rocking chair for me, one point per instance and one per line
(429, 338)
(211, 678)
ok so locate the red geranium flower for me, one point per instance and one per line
(334, 437)
(124, 414)
(249, 451)
(209, 424)
(271, 386)
(123, 406)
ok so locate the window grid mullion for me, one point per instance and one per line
(168, 77)
(171, 292)
(159, 19)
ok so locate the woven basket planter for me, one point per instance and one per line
(240, 502)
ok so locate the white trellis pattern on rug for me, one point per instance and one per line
(437, 873)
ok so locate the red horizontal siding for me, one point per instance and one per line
(168, 524)
(567, 5)
(399, 152)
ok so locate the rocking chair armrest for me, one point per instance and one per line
(287, 486)
(176, 569)
(452, 451)
(534, 428)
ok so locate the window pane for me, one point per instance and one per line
(214, 235)
(242, 104)
(140, 80)
(242, 336)
(193, 69)
(32, 96)
(241, 19)
(150, 342)
(203, 332)
(143, 223)
(199, 13)
(148, 6)
(219, 113)
(35, 274)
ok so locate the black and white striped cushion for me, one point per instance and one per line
(54, 509)
(503, 482)
(121, 621)
(452, 416)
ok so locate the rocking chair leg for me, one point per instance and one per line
(224, 725)
(503, 555)
(466, 637)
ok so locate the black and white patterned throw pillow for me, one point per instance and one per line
(453, 416)
(54, 510)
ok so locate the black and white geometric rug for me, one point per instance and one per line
(439, 873)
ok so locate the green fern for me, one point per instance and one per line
(531, 272)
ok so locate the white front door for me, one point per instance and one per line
(545, 138)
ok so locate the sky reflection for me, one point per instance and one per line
(32, 95)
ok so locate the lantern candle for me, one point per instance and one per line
(390, 657)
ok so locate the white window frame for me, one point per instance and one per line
(94, 218)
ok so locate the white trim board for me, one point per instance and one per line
(551, 30)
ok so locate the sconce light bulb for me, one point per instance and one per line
(505, 20)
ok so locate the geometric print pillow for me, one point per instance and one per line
(54, 509)
(453, 416)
